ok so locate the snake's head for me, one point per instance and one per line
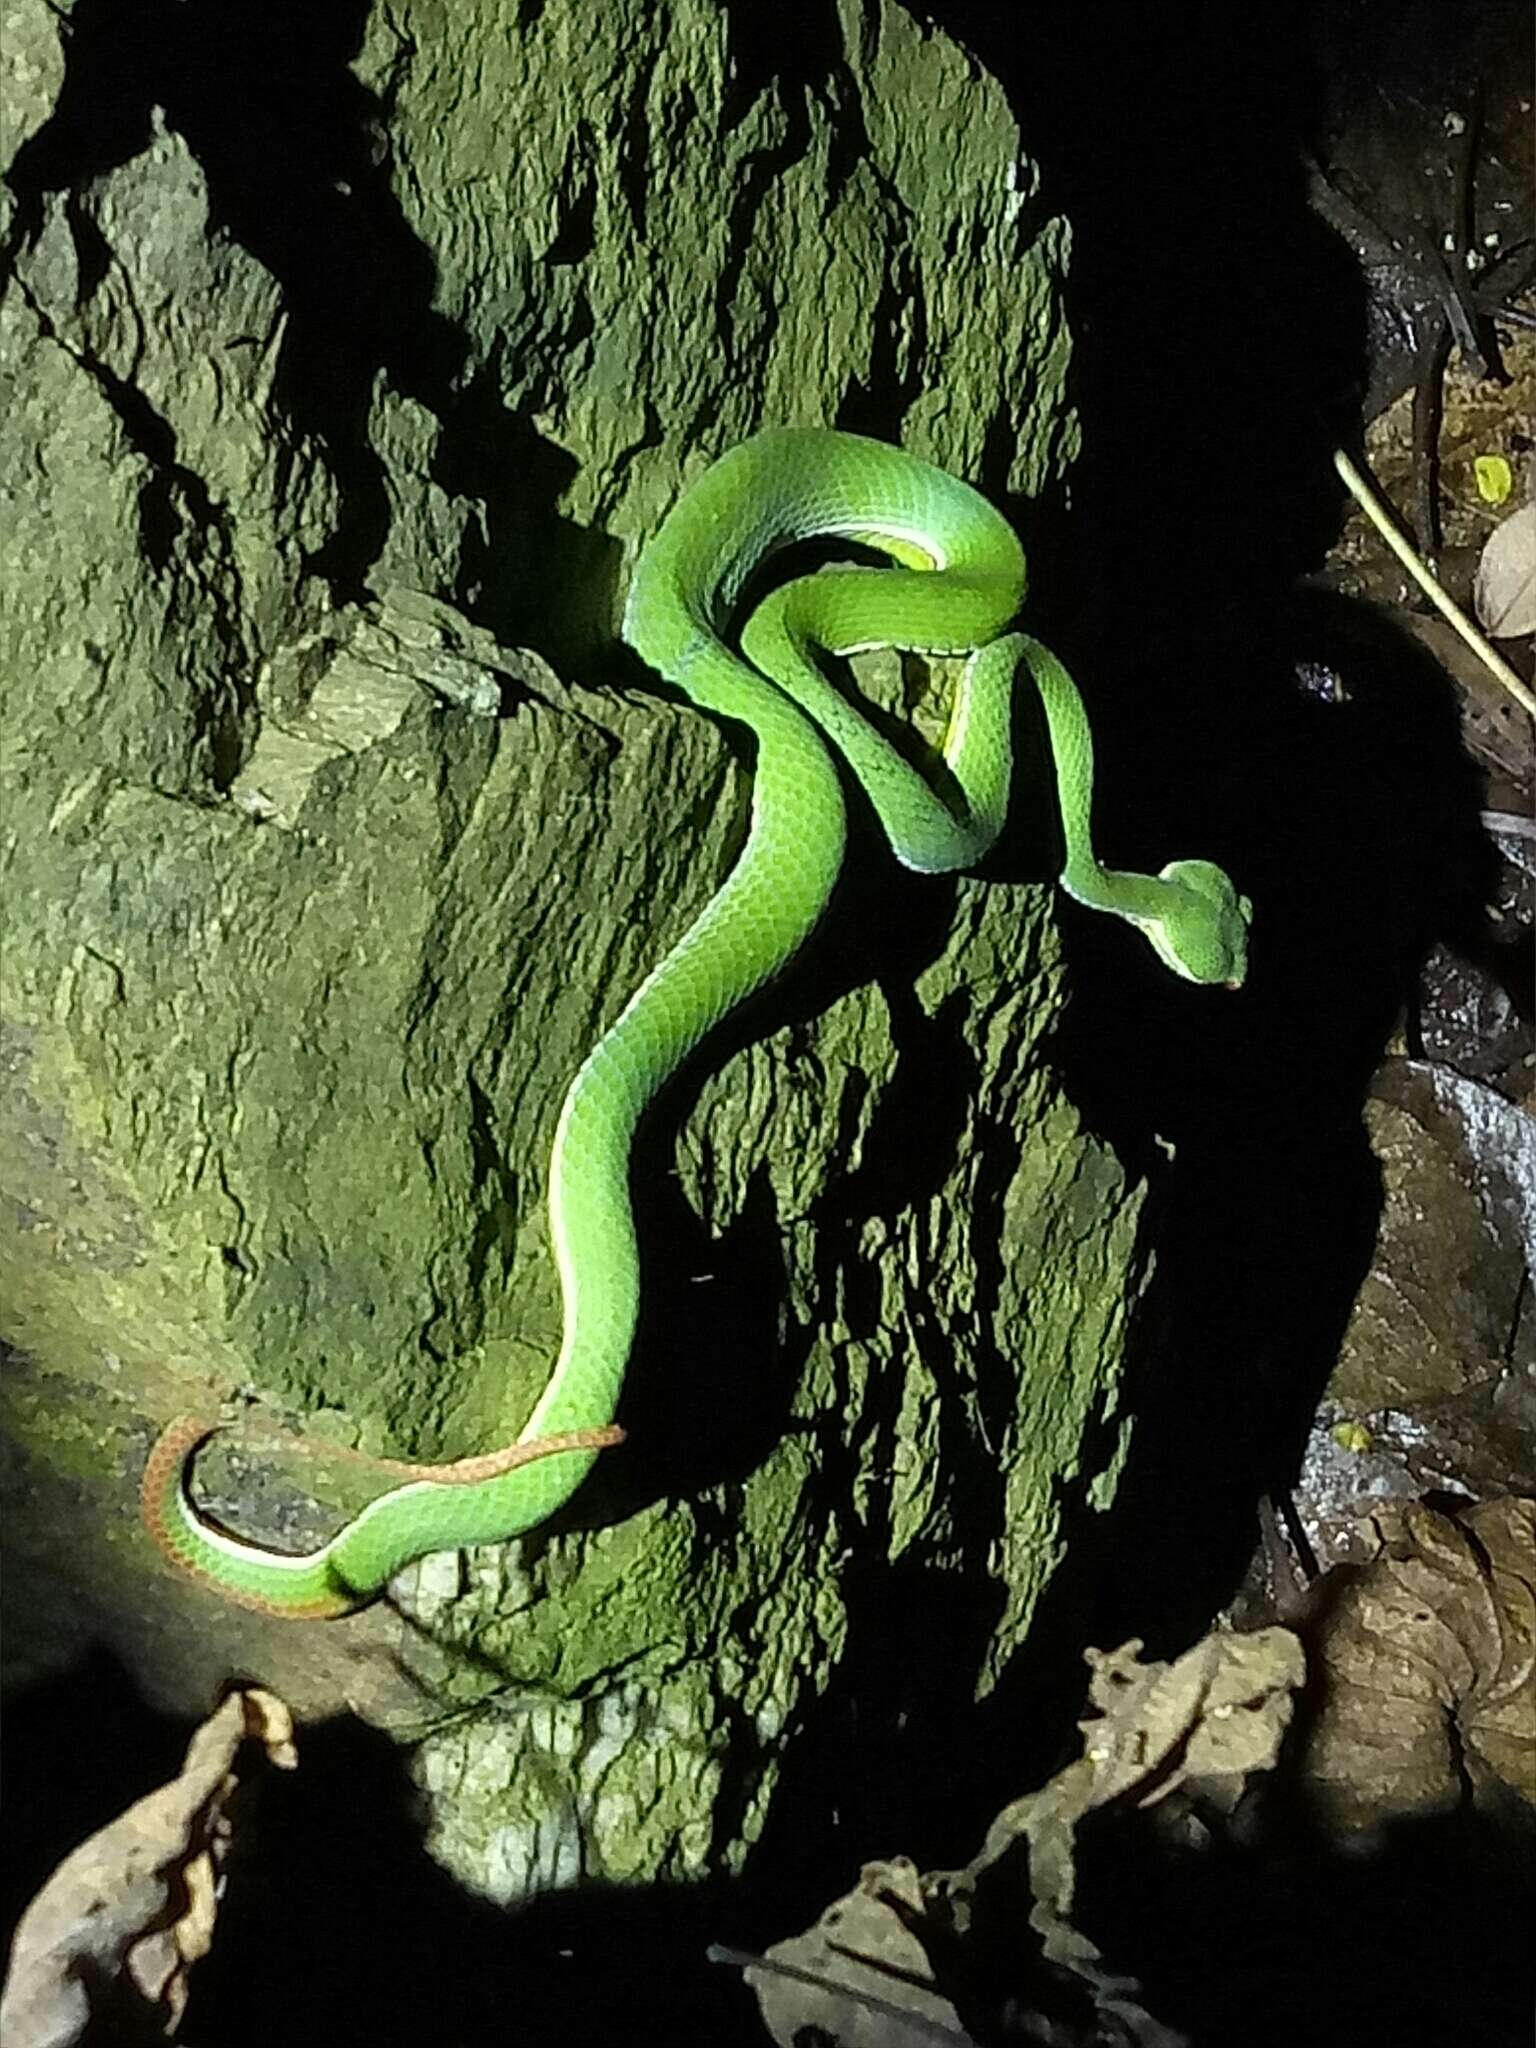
(1203, 936)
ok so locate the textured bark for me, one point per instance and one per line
(324, 881)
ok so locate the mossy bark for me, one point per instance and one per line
(322, 880)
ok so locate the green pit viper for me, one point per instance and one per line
(954, 585)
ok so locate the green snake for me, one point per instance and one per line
(955, 581)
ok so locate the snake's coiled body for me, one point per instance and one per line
(957, 584)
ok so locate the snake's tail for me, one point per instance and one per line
(313, 1585)
(298, 1588)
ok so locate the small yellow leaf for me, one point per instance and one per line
(1495, 479)
(1352, 1436)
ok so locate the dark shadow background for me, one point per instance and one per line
(1219, 334)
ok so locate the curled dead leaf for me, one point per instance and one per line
(102, 1953)
(1428, 1656)
(1504, 595)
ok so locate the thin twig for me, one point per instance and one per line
(1371, 505)
(1428, 409)
(1462, 225)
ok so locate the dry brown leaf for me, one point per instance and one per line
(1427, 1654)
(1204, 1723)
(1498, 1722)
(101, 1954)
(865, 1973)
(860, 1976)
(1504, 595)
